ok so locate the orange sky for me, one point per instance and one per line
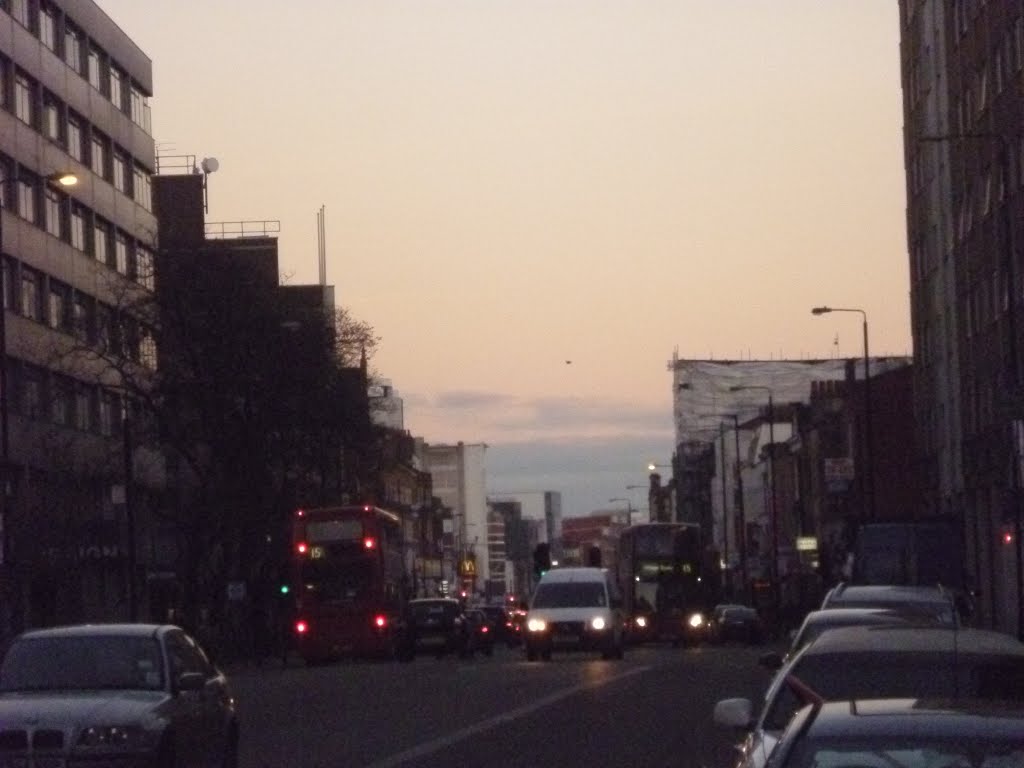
(510, 184)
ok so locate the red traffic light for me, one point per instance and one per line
(1007, 536)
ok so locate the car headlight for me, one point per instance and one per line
(641, 621)
(696, 620)
(115, 737)
(597, 623)
(536, 625)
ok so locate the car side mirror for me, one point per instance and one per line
(191, 681)
(734, 713)
(771, 660)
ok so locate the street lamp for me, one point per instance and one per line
(869, 468)
(652, 467)
(772, 480)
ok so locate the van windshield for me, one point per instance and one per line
(570, 594)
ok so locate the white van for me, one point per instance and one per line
(575, 609)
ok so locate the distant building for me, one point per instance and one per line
(545, 506)
(458, 474)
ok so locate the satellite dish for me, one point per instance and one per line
(210, 164)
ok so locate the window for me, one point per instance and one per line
(5, 182)
(51, 118)
(31, 400)
(120, 171)
(93, 65)
(121, 252)
(101, 241)
(23, 99)
(31, 294)
(104, 328)
(19, 10)
(47, 26)
(54, 216)
(109, 414)
(78, 227)
(80, 322)
(72, 47)
(98, 155)
(142, 187)
(75, 137)
(59, 306)
(139, 107)
(27, 200)
(147, 348)
(116, 87)
(84, 412)
(62, 400)
(7, 283)
(5, 68)
(144, 267)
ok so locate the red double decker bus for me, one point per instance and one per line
(349, 581)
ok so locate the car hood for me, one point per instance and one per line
(41, 709)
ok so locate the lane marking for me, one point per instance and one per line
(485, 725)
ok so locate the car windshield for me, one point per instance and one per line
(570, 594)
(956, 751)
(82, 663)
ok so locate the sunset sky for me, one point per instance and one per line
(513, 184)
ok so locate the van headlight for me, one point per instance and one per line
(597, 623)
(696, 620)
(641, 621)
(536, 625)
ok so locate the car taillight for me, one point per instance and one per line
(380, 620)
(485, 629)
(301, 627)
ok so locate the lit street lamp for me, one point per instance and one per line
(869, 469)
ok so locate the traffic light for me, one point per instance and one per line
(541, 559)
(284, 589)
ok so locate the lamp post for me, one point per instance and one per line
(725, 512)
(869, 468)
(771, 479)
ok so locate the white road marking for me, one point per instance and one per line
(506, 717)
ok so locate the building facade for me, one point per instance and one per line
(962, 69)
(73, 100)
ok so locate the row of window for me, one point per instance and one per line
(44, 395)
(991, 78)
(987, 193)
(44, 299)
(39, 202)
(59, 32)
(37, 107)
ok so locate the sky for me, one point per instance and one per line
(535, 203)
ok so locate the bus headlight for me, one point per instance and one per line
(641, 621)
(536, 625)
(597, 623)
(696, 620)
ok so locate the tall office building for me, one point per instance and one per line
(962, 64)
(73, 100)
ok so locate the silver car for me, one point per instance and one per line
(105, 694)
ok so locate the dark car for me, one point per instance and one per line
(437, 626)
(903, 733)
(736, 623)
(482, 631)
(910, 661)
(114, 694)
(500, 621)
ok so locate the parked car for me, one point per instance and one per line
(736, 623)
(436, 626)
(878, 661)
(575, 609)
(106, 694)
(934, 602)
(816, 622)
(482, 632)
(903, 733)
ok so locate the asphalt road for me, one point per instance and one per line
(652, 709)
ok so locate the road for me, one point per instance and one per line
(652, 709)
